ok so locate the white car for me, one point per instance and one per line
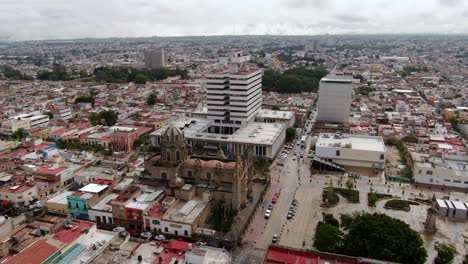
(159, 237)
(267, 214)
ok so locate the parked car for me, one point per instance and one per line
(275, 238)
(274, 200)
(270, 207)
(267, 214)
(119, 229)
(159, 237)
(289, 216)
(146, 235)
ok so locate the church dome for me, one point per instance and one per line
(176, 182)
(172, 135)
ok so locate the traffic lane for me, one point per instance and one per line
(288, 184)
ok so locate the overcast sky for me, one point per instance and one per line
(62, 19)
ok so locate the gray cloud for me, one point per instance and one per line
(47, 19)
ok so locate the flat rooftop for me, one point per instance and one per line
(254, 133)
(186, 212)
(356, 142)
(104, 205)
(94, 188)
(60, 198)
(267, 113)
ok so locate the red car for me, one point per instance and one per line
(275, 199)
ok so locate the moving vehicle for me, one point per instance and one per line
(275, 238)
(267, 214)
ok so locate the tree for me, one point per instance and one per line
(275, 107)
(105, 117)
(139, 141)
(140, 78)
(19, 134)
(151, 99)
(328, 238)
(49, 114)
(85, 99)
(445, 253)
(290, 133)
(382, 237)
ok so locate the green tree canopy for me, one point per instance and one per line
(328, 238)
(152, 98)
(290, 133)
(125, 75)
(382, 237)
(58, 73)
(85, 99)
(445, 253)
(294, 80)
(104, 117)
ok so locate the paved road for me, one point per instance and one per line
(284, 179)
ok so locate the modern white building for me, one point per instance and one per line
(445, 170)
(234, 94)
(155, 59)
(265, 138)
(272, 116)
(63, 113)
(352, 150)
(334, 102)
(35, 120)
(10, 126)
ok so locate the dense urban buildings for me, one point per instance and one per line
(233, 149)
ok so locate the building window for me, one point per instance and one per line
(382, 156)
(185, 233)
(429, 172)
(98, 219)
(155, 222)
(177, 155)
(420, 171)
(455, 181)
(164, 175)
(446, 180)
(338, 153)
(176, 138)
(168, 154)
(166, 229)
(189, 174)
(208, 176)
(431, 180)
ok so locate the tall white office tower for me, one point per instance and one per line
(234, 94)
(334, 102)
(155, 59)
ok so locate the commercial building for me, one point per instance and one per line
(334, 102)
(453, 209)
(58, 204)
(273, 116)
(266, 139)
(62, 113)
(35, 120)
(444, 170)
(21, 194)
(101, 213)
(351, 150)
(234, 94)
(81, 201)
(185, 217)
(12, 125)
(155, 59)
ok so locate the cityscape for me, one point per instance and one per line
(275, 148)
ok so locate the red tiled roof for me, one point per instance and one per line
(38, 252)
(68, 236)
(46, 170)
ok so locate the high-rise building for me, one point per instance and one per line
(334, 102)
(155, 59)
(314, 46)
(234, 94)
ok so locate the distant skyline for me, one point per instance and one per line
(62, 19)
